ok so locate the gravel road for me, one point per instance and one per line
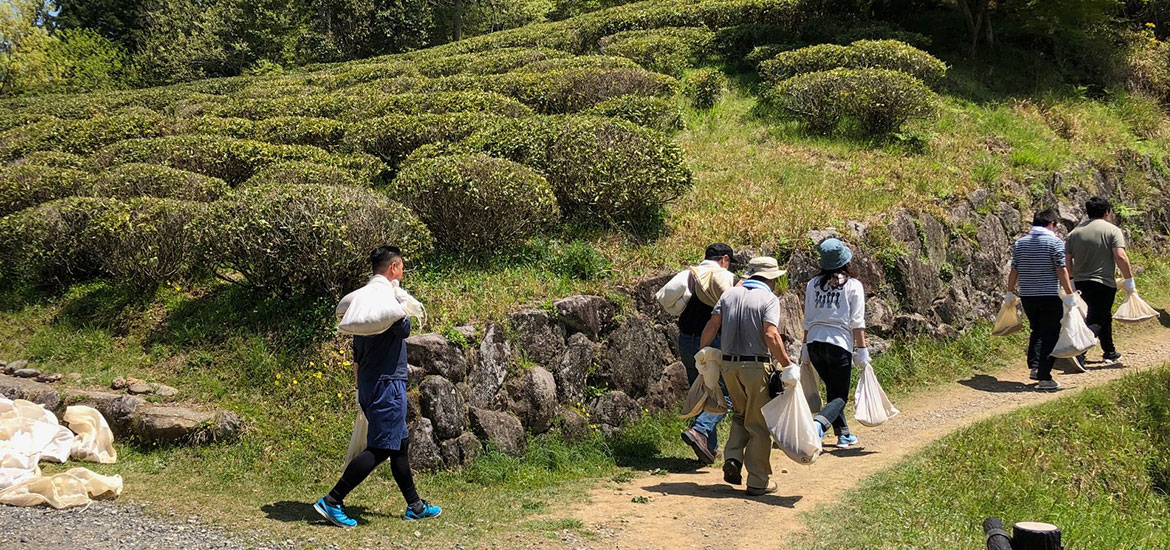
(107, 525)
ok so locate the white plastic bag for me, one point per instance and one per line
(1008, 321)
(370, 309)
(1075, 336)
(357, 441)
(1081, 303)
(811, 383)
(674, 295)
(871, 405)
(790, 422)
(1134, 309)
(705, 394)
(94, 441)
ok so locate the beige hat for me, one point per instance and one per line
(766, 267)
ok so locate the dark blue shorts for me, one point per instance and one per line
(384, 404)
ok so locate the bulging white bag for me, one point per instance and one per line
(674, 295)
(1075, 336)
(871, 405)
(370, 309)
(1081, 303)
(357, 441)
(1134, 309)
(790, 422)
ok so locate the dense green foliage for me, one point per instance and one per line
(668, 50)
(477, 204)
(704, 87)
(28, 185)
(652, 112)
(878, 100)
(46, 244)
(127, 181)
(147, 241)
(863, 54)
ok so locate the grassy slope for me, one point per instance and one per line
(1094, 464)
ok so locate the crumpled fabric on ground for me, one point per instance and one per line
(29, 433)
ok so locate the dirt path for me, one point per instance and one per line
(698, 510)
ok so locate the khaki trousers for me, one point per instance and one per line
(749, 441)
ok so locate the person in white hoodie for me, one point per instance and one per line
(834, 334)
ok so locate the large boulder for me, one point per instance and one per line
(153, 423)
(117, 408)
(537, 336)
(30, 390)
(908, 326)
(671, 388)
(989, 270)
(614, 409)
(488, 373)
(574, 427)
(934, 238)
(532, 398)
(591, 315)
(954, 307)
(443, 405)
(903, 230)
(500, 429)
(573, 370)
(461, 451)
(867, 269)
(438, 356)
(635, 357)
(802, 267)
(424, 453)
(917, 282)
(791, 316)
(879, 317)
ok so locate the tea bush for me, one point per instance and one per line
(213, 125)
(147, 241)
(565, 91)
(26, 185)
(291, 130)
(492, 62)
(311, 239)
(126, 181)
(477, 204)
(55, 159)
(704, 87)
(393, 137)
(652, 112)
(878, 100)
(668, 50)
(863, 54)
(304, 173)
(47, 244)
(78, 136)
(579, 62)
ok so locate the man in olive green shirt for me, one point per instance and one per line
(1096, 249)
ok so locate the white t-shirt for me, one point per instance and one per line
(831, 315)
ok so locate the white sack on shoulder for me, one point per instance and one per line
(872, 406)
(1134, 309)
(370, 310)
(94, 441)
(410, 306)
(790, 422)
(1075, 336)
(674, 295)
(75, 487)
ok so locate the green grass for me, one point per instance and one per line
(1094, 464)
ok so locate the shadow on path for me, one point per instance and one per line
(849, 453)
(298, 512)
(991, 384)
(692, 489)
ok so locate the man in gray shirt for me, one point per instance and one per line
(747, 316)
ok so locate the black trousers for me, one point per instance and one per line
(834, 365)
(1044, 315)
(1100, 319)
(364, 463)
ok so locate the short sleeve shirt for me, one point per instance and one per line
(1037, 256)
(745, 309)
(1091, 246)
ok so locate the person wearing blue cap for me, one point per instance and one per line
(834, 334)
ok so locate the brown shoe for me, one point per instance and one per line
(698, 443)
(756, 492)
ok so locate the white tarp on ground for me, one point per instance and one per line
(29, 433)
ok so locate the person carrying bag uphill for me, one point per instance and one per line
(834, 334)
(1096, 250)
(1038, 266)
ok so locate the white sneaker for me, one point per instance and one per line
(1048, 385)
(1078, 363)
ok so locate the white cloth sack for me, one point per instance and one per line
(674, 295)
(370, 309)
(705, 394)
(1081, 303)
(811, 382)
(790, 422)
(1134, 309)
(357, 441)
(94, 441)
(871, 405)
(1075, 336)
(1008, 321)
(410, 306)
(75, 487)
(27, 428)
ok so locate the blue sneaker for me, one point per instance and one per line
(846, 441)
(820, 429)
(335, 514)
(427, 512)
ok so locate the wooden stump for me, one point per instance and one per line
(1029, 535)
(997, 536)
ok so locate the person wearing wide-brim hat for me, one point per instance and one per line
(834, 334)
(746, 318)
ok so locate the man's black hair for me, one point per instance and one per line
(717, 251)
(1044, 218)
(1097, 207)
(383, 256)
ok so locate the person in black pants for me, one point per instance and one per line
(381, 372)
(1096, 250)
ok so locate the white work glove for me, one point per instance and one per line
(1008, 298)
(1129, 285)
(1070, 300)
(804, 354)
(861, 357)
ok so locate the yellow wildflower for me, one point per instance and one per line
(276, 382)
(318, 375)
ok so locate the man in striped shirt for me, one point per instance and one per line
(1038, 265)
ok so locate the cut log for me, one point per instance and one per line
(997, 536)
(1030, 535)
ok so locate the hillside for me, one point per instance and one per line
(541, 180)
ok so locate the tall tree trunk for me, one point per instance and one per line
(457, 26)
(975, 15)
